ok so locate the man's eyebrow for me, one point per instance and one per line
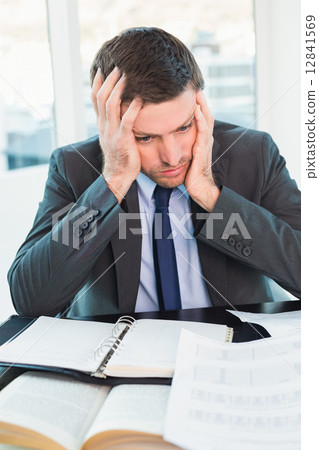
(142, 133)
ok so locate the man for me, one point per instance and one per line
(155, 132)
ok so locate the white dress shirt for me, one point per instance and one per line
(193, 289)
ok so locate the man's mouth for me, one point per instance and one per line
(175, 171)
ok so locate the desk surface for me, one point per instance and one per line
(243, 331)
(210, 315)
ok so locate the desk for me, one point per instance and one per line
(208, 315)
(243, 331)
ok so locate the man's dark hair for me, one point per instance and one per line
(157, 65)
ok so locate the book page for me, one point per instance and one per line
(56, 342)
(54, 405)
(150, 347)
(139, 408)
(244, 396)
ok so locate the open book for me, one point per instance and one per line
(130, 348)
(55, 412)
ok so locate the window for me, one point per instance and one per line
(220, 35)
(26, 90)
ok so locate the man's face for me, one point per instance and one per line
(165, 134)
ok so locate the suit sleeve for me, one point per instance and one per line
(263, 235)
(67, 237)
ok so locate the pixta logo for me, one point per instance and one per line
(145, 224)
(70, 226)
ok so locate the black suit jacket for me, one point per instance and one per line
(84, 261)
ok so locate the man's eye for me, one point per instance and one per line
(185, 127)
(143, 139)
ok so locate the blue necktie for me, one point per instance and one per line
(164, 253)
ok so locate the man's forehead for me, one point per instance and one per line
(166, 117)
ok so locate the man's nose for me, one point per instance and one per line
(170, 151)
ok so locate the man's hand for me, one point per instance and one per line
(122, 162)
(199, 180)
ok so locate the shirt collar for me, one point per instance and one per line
(146, 187)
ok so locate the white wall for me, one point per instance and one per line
(21, 190)
(278, 76)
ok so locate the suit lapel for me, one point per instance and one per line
(219, 163)
(128, 266)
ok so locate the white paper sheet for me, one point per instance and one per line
(150, 348)
(57, 343)
(243, 396)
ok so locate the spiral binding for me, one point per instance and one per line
(111, 343)
(118, 326)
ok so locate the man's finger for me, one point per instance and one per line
(203, 130)
(201, 100)
(202, 124)
(96, 86)
(104, 93)
(113, 105)
(131, 114)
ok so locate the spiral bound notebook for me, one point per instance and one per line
(144, 348)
